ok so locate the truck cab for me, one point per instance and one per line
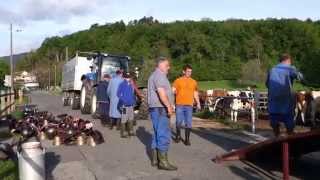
(101, 64)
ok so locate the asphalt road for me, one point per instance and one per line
(122, 159)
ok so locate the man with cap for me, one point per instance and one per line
(103, 99)
(91, 75)
(160, 100)
(114, 100)
(281, 96)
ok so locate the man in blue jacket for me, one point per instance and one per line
(281, 96)
(126, 104)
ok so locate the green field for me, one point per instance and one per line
(234, 84)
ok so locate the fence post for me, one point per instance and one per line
(8, 98)
(13, 107)
(20, 94)
(2, 102)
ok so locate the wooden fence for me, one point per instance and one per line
(7, 102)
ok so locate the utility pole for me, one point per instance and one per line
(11, 57)
(67, 54)
(49, 77)
(55, 71)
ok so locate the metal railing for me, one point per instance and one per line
(7, 102)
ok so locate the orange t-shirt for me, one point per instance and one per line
(185, 88)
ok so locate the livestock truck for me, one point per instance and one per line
(78, 91)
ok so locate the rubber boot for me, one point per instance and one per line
(187, 136)
(154, 157)
(164, 162)
(178, 135)
(118, 122)
(130, 129)
(112, 122)
(123, 130)
(276, 131)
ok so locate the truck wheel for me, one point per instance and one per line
(75, 102)
(65, 101)
(94, 105)
(85, 101)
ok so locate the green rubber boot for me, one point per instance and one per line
(122, 130)
(164, 163)
(131, 129)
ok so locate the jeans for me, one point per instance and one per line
(184, 116)
(161, 129)
(287, 119)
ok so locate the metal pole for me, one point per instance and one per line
(11, 56)
(55, 76)
(49, 77)
(285, 160)
(67, 54)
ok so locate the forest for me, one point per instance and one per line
(233, 49)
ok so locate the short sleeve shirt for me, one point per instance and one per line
(185, 88)
(158, 80)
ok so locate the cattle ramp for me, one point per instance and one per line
(282, 148)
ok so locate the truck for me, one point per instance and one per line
(78, 90)
(71, 80)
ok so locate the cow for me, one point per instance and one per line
(235, 101)
(307, 105)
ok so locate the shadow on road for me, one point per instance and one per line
(225, 143)
(52, 160)
(145, 137)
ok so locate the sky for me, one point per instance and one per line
(35, 20)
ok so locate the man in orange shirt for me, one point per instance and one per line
(186, 91)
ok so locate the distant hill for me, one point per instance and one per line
(16, 58)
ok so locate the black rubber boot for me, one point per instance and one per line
(118, 122)
(112, 122)
(123, 130)
(178, 135)
(187, 138)
(154, 157)
(164, 162)
(276, 131)
(131, 129)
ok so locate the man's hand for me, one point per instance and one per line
(199, 106)
(170, 110)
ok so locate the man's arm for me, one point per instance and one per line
(196, 97)
(109, 89)
(267, 81)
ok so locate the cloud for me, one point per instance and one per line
(60, 11)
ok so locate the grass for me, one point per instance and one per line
(8, 170)
(234, 84)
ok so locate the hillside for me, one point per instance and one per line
(16, 58)
(217, 50)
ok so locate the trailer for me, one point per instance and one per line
(71, 84)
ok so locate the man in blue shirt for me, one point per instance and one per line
(91, 75)
(127, 100)
(281, 96)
